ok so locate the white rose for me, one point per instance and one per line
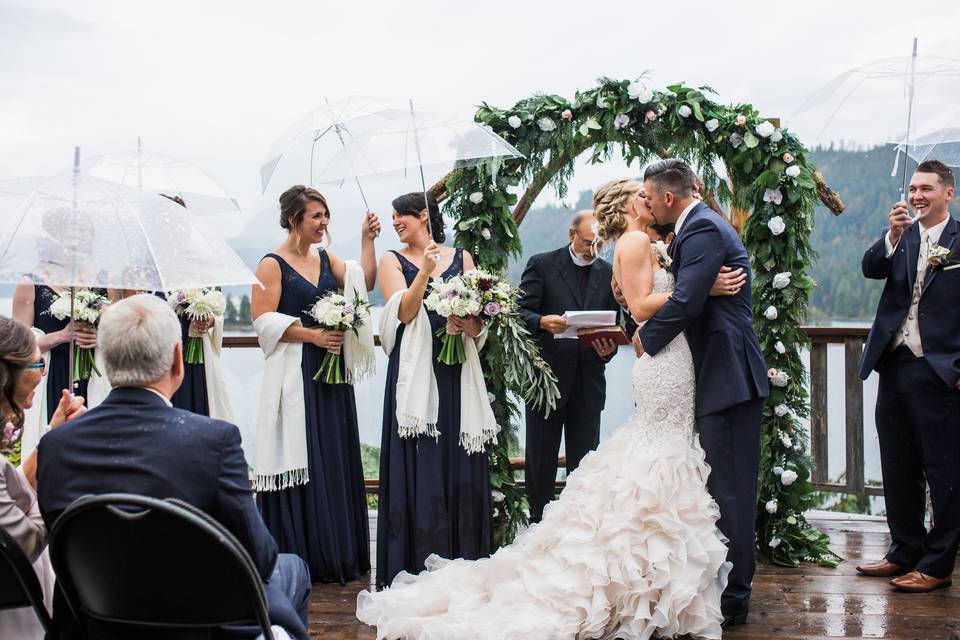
(497, 496)
(781, 379)
(787, 442)
(514, 121)
(776, 225)
(491, 398)
(638, 91)
(781, 410)
(443, 308)
(459, 307)
(774, 543)
(496, 512)
(782, 280)
(777, 136)
(771, 506)
(473, 307)
(788, 477)
(485, 233)
(777, 471)
(348, 319)
(332, 317)
(712, 125)
(779, 348)
(684, 111)
(476, 197)
(793, 171)
(765, 129)
(546, 124)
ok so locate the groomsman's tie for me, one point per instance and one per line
(910, 331)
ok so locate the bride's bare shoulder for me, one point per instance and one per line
(634, 241)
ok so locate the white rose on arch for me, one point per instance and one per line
(711, 125)
(485, 232)
(514, 121)
(640, 92)
(782, 280)
(765, 129)
(776, 136)
(788, 477)
(776, 225)
(781, 410)
(771, 313)
(780, 379)
(780, 348)
(476, 197)
(546, 124)
(684, 111)
(786, 441)
(777, 471)
(775, 542)
(771, 506)
(793, 171)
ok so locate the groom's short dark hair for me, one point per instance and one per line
(671, 175)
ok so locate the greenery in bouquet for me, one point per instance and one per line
(453, 296)
(86, 308)
(335, 313)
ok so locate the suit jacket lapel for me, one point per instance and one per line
(947, 239)
(686, 225)
(594, 284)
(912, 238)
(569, 275)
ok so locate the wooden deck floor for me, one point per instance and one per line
(810, 602)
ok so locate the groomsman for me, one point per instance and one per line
(915, 346)
(572, 278)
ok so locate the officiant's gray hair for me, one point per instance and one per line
(578, 217)
(672, 175)
(137, 337)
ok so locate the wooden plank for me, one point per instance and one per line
(819, 442)
(852, 349)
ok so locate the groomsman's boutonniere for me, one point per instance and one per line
(940, 257)
(663, 256)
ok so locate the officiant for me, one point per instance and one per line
(572, 278)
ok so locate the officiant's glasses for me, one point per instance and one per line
(594, 245)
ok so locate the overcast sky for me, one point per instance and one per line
(217, 82)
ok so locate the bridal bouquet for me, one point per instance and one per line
(87, 306)
(333, 311)
(453, 296)
(196, 304)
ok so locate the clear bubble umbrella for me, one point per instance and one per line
(881, 102)
(307, 144)
(78, 231)
(396, 142)
(942, 145)
(162, 173)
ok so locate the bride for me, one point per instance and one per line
(631, 548)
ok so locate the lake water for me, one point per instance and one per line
(243, 369)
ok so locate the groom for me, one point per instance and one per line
(730, 370)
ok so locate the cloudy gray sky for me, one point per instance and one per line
(216, 82)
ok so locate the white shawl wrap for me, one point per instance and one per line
(358, 357)
(417, 394)
(281, 441)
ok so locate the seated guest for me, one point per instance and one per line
(137, 442)
(21, 371)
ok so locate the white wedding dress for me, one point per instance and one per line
(629, 550)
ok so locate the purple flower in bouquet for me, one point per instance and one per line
(621, 121)
(492, 309)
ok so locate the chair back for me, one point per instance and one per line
(136, 560)
(19, 586)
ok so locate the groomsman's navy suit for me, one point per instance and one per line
(552, 285)
(918, 405)
(731, 379)
(134, 443)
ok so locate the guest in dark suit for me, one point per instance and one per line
(730, 370)
(915, 345)
(573, 278)
(136, 442)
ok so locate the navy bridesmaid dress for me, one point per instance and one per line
(58, 372)
(192, 394)
(324, 521)
(434, 496)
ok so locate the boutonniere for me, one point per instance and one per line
(939, 256)
(663, 256)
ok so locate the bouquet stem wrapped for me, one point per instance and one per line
(86, 307)
(197, 305)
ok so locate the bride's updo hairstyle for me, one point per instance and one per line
(609, 203)
(293, 204)
(412, 204)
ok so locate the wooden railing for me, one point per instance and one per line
(852, 339)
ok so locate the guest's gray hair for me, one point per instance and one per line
(137, 337)
(578, 218)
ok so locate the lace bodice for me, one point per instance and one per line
(664, 386)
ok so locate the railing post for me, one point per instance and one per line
(852, 349)
(819, 440)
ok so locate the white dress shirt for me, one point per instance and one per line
(683, 216)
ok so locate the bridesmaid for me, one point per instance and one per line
(434, 496)
(325, 520)
(30, 305)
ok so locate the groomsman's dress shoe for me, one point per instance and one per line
(733, 620)
(916, 582)
(882, 569)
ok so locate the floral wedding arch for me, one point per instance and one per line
(767, 173)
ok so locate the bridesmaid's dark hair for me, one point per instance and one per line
(412, 204)
(293, 204)
(17, 346)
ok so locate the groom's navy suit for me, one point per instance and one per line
(134, 443)
(918, 405)
(731, 379)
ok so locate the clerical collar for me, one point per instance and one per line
(577, 260)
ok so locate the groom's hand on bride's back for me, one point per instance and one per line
(729, 282)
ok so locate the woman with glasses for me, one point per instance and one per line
(21, 372)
